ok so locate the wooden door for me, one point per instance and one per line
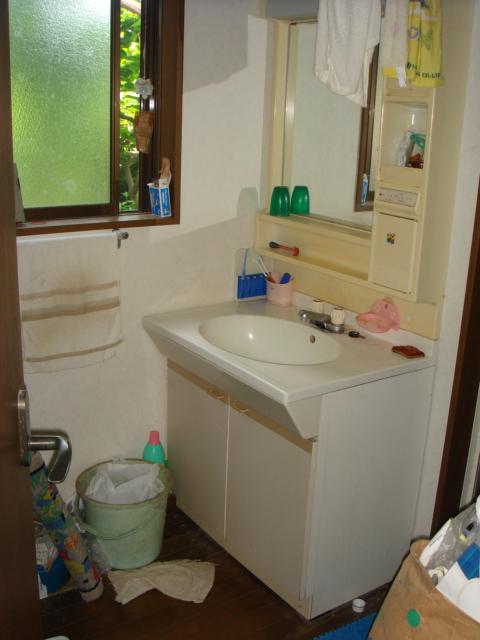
(19, 601)
(463, 402)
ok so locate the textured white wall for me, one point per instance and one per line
(107, 409)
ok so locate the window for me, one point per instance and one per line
(74, 64)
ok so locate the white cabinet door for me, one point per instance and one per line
(197, 449)
(370, 455)
(393, 252)
(267, 499)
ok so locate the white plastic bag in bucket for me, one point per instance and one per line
(120, 483)
(129, 535)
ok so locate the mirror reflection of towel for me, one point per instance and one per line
(393, 50)
(70, 301)
(347, 34)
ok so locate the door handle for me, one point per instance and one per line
(56, 441)
(59, 443)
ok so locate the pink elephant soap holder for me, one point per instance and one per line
(382, 317)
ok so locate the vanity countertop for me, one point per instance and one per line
(359, 361)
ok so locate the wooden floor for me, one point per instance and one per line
(238, 607)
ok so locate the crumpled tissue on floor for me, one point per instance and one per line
(189, 580)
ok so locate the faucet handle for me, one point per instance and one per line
(337, 316)
(317, 305)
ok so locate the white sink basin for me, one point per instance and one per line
(270, 339)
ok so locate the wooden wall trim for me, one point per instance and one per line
(464, 393)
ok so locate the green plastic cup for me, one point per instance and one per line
(280, 202)
(300, 201)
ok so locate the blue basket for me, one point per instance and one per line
(357, 630)
(252, 286)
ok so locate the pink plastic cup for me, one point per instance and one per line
(280, 294)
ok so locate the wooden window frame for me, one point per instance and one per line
(164, 38)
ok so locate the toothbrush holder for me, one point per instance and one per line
(300, 203)
(280, 294)
(280, 202)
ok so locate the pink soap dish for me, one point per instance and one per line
(372, 322)
(382, 316)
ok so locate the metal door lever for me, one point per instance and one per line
(59, 443)
(56, 441)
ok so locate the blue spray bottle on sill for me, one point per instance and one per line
(153, 450)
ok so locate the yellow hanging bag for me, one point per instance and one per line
(424, 60)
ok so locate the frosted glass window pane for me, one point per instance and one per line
(60, 66)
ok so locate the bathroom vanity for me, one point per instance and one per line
(308, 474)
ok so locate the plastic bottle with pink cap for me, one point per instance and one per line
(153, 450)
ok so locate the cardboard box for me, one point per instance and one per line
(160, 199)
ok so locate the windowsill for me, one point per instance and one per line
(92, 224)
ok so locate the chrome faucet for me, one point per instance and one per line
(320, 320)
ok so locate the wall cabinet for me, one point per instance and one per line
(393, 252)
(401, 216)
(319, 521)
(351, 268)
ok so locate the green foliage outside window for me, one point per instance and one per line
(130, 30)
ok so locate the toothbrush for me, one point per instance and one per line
(260, 263)
(293, 250)
(263, 269)
(270, 275)
(244, 265)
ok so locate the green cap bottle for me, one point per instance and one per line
(153, 451)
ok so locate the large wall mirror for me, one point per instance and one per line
(328, 141)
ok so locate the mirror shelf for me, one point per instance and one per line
(335, 250)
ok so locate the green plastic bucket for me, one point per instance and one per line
(130, 535)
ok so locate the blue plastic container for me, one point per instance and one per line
(253, 285)
(56, 577)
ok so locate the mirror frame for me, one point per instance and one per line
(366, 138)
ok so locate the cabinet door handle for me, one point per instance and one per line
(241, 408)
(216, 393)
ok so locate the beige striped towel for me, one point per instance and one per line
(70, 301)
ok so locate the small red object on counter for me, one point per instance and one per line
(408, 351)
